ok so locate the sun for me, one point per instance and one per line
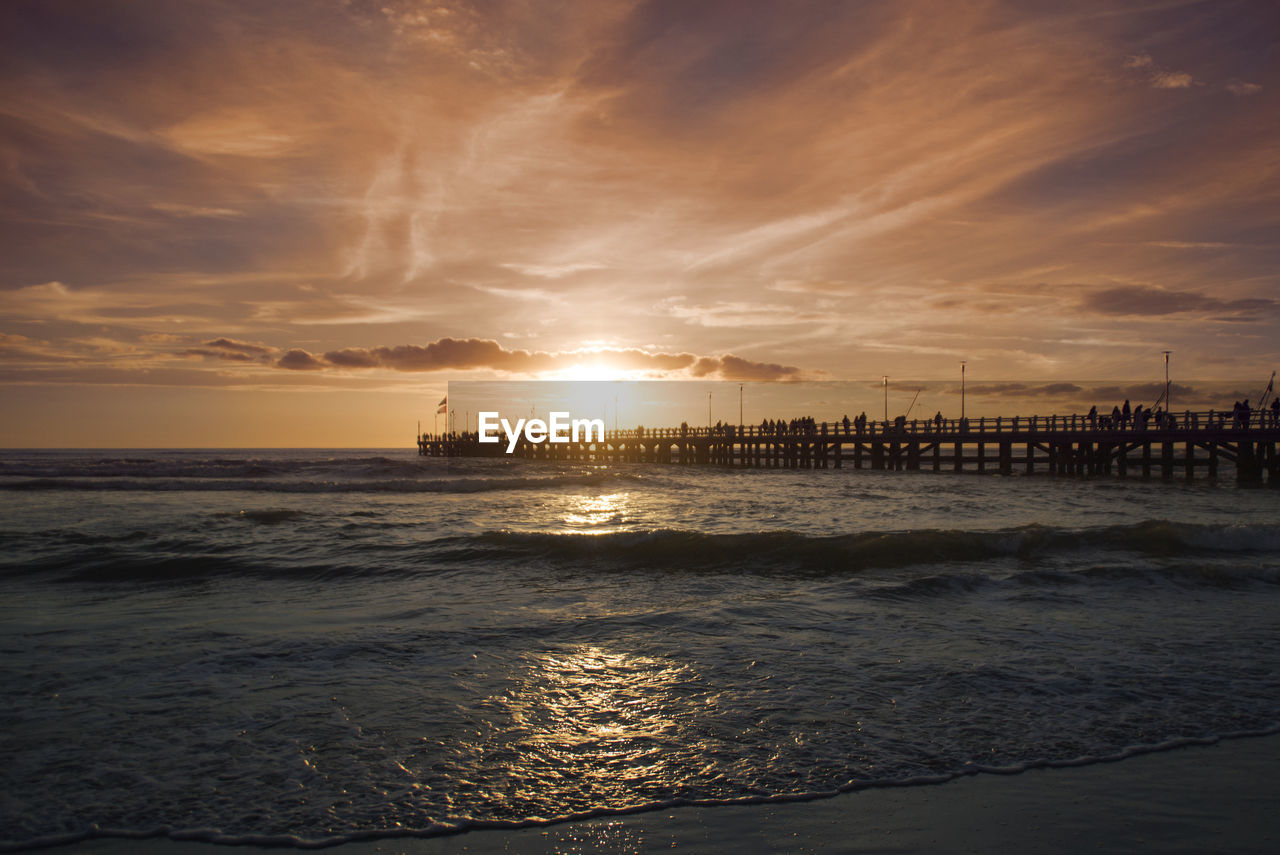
(593, 370)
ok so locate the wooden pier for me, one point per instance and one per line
(1190, 445)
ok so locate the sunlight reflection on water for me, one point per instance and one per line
(595, 719)
(599, 513)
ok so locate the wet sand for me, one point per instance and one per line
(1218, 798)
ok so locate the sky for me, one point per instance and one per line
(294, 223)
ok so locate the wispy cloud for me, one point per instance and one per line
(1148, 300)
(1171, 80)
(1158, 76)
(1240, 87)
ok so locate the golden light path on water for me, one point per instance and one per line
(594, 718)
(591, 719)
(599, 514)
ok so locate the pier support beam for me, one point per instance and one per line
(1248, 467)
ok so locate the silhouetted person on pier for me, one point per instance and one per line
(1125, 413)
(1275, 412)
(937, 421)
(846, 422)
(1093, 417)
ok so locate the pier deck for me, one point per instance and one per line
(1192, 444)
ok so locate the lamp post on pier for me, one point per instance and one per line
(962, 388)
(886, 398)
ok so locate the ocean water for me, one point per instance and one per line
(316, 646)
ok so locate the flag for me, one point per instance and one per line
(443, 406)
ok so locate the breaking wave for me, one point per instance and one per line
(925, 562)
(297, 485)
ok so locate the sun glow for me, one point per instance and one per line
(592, 371)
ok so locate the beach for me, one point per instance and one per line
(1215, 798)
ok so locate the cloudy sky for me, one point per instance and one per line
(247, 223)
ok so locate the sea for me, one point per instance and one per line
(306, 647)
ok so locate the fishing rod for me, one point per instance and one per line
(913, 403)
(1267, 392)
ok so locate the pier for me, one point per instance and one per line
(1186, 446)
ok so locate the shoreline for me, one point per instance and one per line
(1191, 798)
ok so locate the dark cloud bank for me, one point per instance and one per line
(475, 353)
